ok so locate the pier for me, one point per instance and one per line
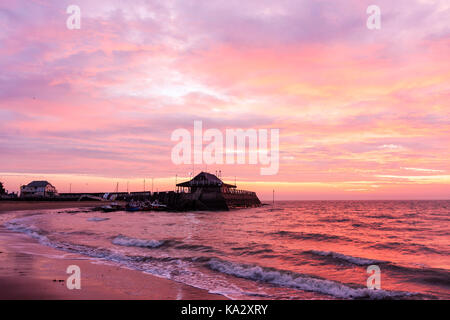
(207, 192)
(203, 192)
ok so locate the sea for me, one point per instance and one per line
(286, 250)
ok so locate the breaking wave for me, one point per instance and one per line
(133, 242)
(342, 257)
(175, 268)
(254, 260)
(95, 219)
(32, 231)
(42, 238)
(301, 281)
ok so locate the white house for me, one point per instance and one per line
(38, 189)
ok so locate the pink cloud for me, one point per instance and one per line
(103, 100)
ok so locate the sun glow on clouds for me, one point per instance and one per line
(172, 85)
(426, 170)
(359, 112)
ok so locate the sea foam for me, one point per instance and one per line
(133, 242)
(301, 281)
(96, 219)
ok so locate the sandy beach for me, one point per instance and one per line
(30, 270)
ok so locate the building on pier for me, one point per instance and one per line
(206, 191)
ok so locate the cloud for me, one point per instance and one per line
(350, 103)
(424, 170)
(390, 146)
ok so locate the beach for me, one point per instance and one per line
(41, 205)
(30, 270)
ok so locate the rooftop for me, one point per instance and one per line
(38, 184)
(205, 179)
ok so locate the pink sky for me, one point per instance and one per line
(363, 114)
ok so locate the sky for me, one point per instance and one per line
(362, 114)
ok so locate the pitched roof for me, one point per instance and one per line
(207, 177)
(38, 184)
(204, 178)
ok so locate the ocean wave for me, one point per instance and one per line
(42, 238)
(253, 249)
(32, 231)
(133, 242)
(175, 268)
(407, 247)
(183, 269)
(78, 233)
(311, 236)
(302, 282)
(331, 219)
(98, 252)
(342, 257)
(380, 216)
(257, 252)
(195, 247)
(433, 276)
(401, 229)
(96, 219)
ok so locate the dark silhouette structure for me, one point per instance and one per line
(207, 192)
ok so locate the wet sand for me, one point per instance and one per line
(40, 205)
(29, 270)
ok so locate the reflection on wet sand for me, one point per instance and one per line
(29, 270)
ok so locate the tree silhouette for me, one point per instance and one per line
(2, 189)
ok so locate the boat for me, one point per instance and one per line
(153, 206)
(133, 206)
(158, 206)
(114, 206)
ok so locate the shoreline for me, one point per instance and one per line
(32, 271)
(7, 206)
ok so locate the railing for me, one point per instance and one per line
(205, 183)
(237, 191)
